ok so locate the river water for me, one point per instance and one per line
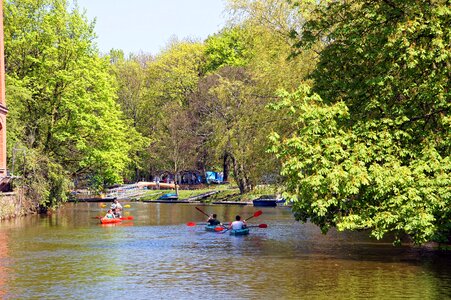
(69, 255)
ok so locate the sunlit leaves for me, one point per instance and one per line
(360, 177)
(60, 93)
(388, 61)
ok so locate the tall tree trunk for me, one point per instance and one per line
(201, 165)
(176, 185)
(137, 173)
(225, 166)
(240, 176)
(175, 178)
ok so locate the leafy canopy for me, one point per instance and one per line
(371, 148)
(60, 94)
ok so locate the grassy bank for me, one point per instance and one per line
(226, 192)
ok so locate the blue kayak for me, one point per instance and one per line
(212, 228)
(244, 231)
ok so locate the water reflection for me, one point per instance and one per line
(70, 255)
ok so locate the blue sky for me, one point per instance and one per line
(147, 25)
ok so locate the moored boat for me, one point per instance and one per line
(168, 197)
(265, 202)
(244, 231)
(268, 201)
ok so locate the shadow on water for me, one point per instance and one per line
(70, 255)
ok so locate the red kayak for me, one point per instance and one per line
(110, 220)
(115, 220)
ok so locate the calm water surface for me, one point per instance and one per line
(156, 256)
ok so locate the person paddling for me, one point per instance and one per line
(212, 220)
(116, 206)
(109, 214)
(116, 213)
(238, 224)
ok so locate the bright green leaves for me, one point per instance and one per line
(172, 78)
(229, 48)
(359, 176)
(132, 98)
(236, 123)
(61, 96)
(314, 158)
(388, 62)
(175, 72)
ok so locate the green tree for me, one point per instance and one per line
(259, 44)
(60, 94)
(172, 77)
(174, 73)
(227, 48)
(132, 97)
(176, 149)
(371, 148)
(267, 27)
(234, 124)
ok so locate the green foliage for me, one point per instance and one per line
(132, 93)
(371, 149)
(43, 181)
(384, 164)
(172, 77)
(268, 27)
(60, 94)
(227, 48)
(312, 157)
(235, 123)
(246, 64)
(174, 74)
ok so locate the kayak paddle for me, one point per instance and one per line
(202, 211)
(256, 214)
(221, 228)
(259, 226)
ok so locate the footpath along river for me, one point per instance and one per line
(69, 255)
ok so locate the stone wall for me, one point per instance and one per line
(14, 204)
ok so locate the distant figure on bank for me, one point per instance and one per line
(238, 224)
(212, 220)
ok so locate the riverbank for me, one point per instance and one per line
(14, 204)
